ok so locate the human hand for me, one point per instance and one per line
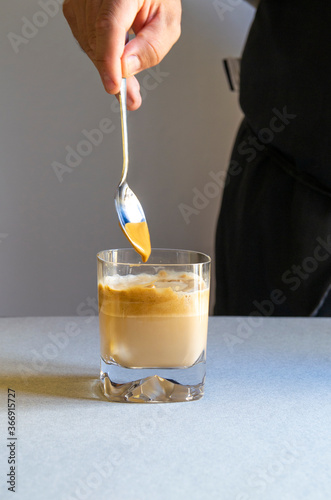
(100, 27)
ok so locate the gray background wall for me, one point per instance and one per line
(50, 231)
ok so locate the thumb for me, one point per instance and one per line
(147, 49)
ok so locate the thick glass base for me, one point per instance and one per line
(153, 385)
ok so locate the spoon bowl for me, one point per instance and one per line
(128, 206)
(130, 213)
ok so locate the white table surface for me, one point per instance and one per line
(262, 430)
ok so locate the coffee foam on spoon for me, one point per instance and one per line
(138, 235)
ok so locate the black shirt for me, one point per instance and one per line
(286, 66)
(273, 241)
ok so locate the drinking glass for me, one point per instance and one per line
(153, 320)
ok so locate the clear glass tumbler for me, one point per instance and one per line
(153, 321)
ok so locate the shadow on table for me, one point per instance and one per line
(52, 385)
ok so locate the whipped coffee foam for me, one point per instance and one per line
(153, 320)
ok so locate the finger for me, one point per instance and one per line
(91, 14)
(133, 94)
(70, 17)
(75, 16)
(134, 98)
(149, 46)
(113, 21)
(82, 25)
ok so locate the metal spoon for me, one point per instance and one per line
(127, 204)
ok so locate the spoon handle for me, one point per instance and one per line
(122, 99)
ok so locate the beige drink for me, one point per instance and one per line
(153, 320)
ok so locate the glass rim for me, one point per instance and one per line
(164, 264)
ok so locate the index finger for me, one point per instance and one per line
(113, 21)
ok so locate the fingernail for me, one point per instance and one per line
(133, 64)
(108, 83)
